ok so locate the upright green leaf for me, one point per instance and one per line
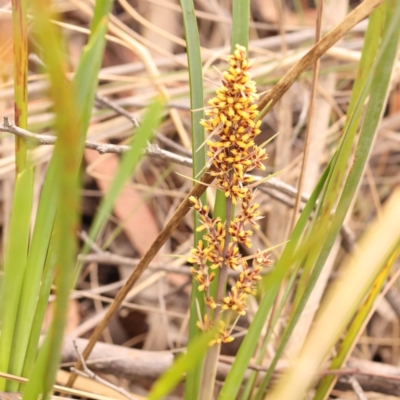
(15, 263)
(199, 161)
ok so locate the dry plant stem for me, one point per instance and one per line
(209, 373)
(102, 148)
(163, 236)
(317, 51)
(320, 5)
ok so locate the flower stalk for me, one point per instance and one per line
(232, 125)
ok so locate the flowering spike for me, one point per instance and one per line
(232, 126)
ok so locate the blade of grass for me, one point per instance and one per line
(22, 353)
(381, 72)
(85, 79)
(15, 263)
(240, 24)
(41, 307)
(252, 379)
(381, 240)
(370, 48)
(193, 378)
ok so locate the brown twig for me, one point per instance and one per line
(102, 148)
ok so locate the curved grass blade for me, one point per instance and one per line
(68, 151)
(15, 265)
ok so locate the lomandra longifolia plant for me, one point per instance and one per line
(232, 125)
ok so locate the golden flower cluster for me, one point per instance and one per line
(232, 120)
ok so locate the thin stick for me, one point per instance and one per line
(311, 109)
(102, 148)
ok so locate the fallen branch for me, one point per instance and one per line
(133, 364)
